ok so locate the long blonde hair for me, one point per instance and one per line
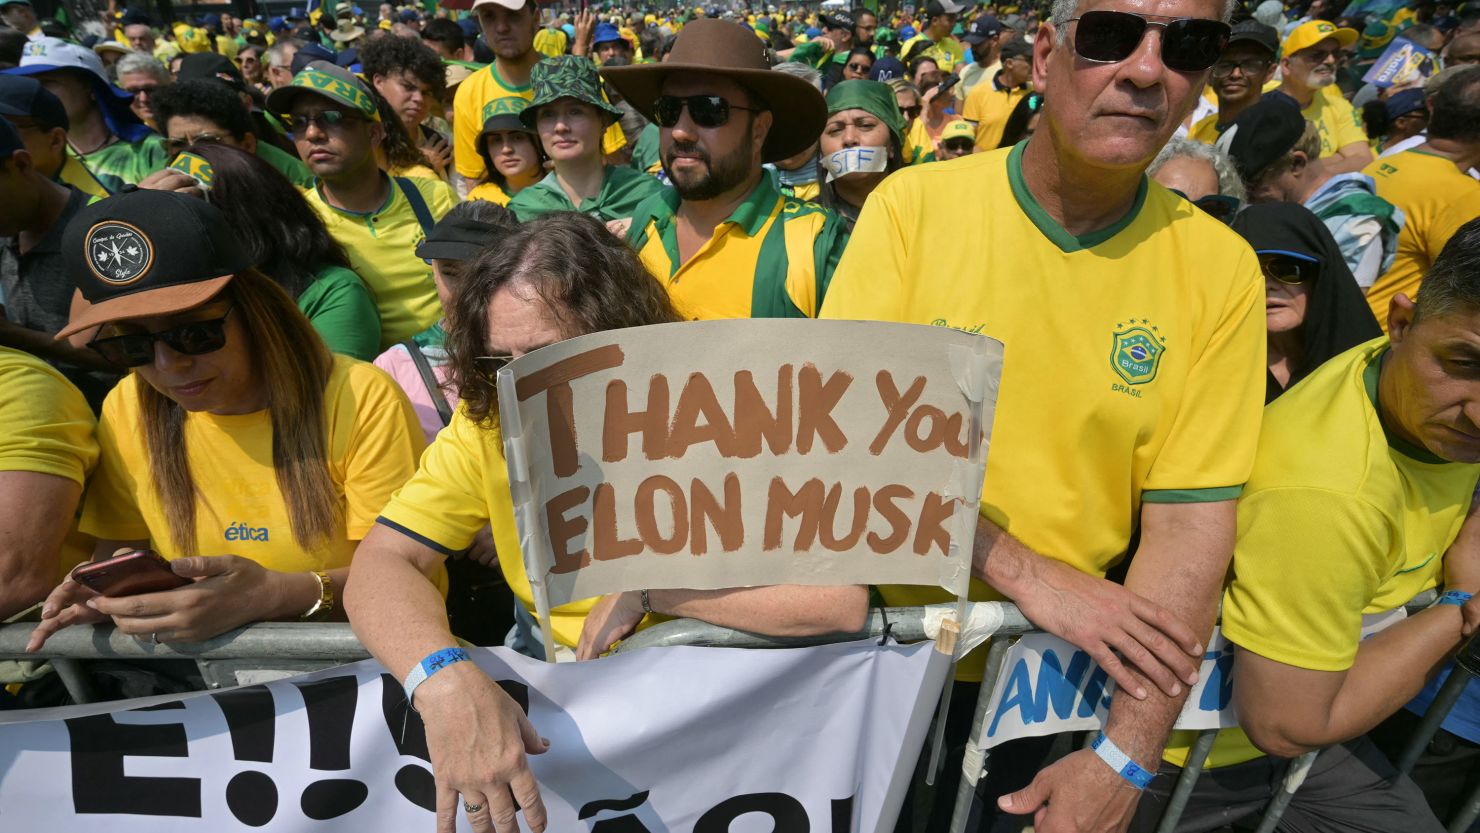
(294, 364)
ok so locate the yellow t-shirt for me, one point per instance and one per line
(550, 42)
(1134, 363)
(1206, 130)
(473, 104)
(1339, 122)
(990, 108)
(373, 442)
(46, 427)
(918, 146)
(382, 249)
(1369, 515)
(1436, 198)
(461, 486)
(947, 52)
(489, 192)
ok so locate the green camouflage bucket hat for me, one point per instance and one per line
(566, 76)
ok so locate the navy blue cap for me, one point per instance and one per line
(310, 52)
(982, 29)
(1404, 102)
(10, 140)
(24, 96)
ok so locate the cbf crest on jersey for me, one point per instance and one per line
(1136, 351)
(118, 253)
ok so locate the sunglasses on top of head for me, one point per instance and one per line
(705, 110)
(194, 338)
(1188, 44)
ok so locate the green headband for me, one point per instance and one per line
(874, 97)
(339, 90)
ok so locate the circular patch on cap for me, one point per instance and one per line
(118, 253)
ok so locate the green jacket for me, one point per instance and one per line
(622, 191)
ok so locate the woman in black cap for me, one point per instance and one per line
(238, 448)
(1313, 307)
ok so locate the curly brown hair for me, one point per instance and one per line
(589, 279)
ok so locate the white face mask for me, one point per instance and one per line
(857, 160)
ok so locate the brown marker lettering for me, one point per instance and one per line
(726, 519)
(929, 440)
(563, 529)
(815, 401)
(754, 420)
(647, 515)
(806, 504)
(695, 402)
(899, 522)
(897, 405)
(559, 406)
(830, 517)
(606, 544)
(620, 422)
(931, 528)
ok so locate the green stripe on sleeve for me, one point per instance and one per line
(1209, 495)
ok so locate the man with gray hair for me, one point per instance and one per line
(1148, 318)
(140, 74)
(280, 62)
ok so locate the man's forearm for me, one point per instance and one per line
(782, 610)
(1180, 566)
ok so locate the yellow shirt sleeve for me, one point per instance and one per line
(439, 196)
(466, 125)
(1304, 611)
(45, 424)
(109, 510)
(1346, 125)
(1210, 451)
(384, 442)
(869, 284)
(1447, 223)
(444, 504)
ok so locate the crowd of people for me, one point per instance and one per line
(257, 276)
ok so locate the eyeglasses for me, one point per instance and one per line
(489, 366)
(1248, 66)
(1188, 44)
(959, 145)
(705, 110)
(323, 120)
(861, 69)
(1291, 271)
(1222, 207)
(1317, 56)
(177, 145)
(147, 89)
(195, 338)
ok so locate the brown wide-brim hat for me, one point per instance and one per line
(723, 48)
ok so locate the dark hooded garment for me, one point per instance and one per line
(1337, 317)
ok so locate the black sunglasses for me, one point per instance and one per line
(1188, 44)
(910, 112)
(195, 338)
(705, 110)
(489, 366)
(1291, 271)
(324, 120)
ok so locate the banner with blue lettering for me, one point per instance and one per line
(1048, 686)
(655, 741)
(1403, 63)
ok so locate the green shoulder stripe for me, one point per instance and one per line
(1209, 495)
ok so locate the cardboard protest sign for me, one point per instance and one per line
(717, 454)
(1403, 63)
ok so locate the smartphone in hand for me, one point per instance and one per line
(128, 574)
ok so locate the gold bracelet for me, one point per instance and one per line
(325, 604)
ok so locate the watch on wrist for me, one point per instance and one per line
(325, 604)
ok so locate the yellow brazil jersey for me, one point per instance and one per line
(373, 442)
(1436, 198)
(1338, 121)
(1206, 130)
(461, 486)
(550, 41)
(1128, 377)
(489, 192)
(46, 427)
(382, 249)
(476, 99)
(1369, 514)
(771, 258)
(989, 106)
(918, 146)
(947, 52)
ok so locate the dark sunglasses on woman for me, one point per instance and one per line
(1188, 44)
(195, 338)
(1288, 269)
(1223, 208)
(705, 110)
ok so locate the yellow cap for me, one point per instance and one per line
(1309, 34)
(957, 129)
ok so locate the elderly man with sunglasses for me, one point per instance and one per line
(1131, 391)
(724, 241)
(1311, 55)
(378, 219)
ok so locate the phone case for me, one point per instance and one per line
(130, 574)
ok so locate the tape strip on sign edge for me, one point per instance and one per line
(982, 621)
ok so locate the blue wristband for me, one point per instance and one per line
(1121, 763)
(1455, 597)
(429, 666)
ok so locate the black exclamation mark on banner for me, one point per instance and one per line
(331, 720)
(413, 781)
(251, 795)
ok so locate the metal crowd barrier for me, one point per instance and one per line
(908, 625)
(271, 650)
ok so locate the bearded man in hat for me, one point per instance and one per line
(724, 241)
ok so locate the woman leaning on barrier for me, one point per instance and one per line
(238, 448)
(522, 293)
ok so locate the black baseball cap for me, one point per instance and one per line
(10, 140)
(840, 19)
(144, 252)
(456, 238)
(23, 95)
(1253, 31)
(1262, 134)
(982, 29)
(211, 66)
(936, 8)
(1016, 48)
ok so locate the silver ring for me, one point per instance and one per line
(472, 808)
